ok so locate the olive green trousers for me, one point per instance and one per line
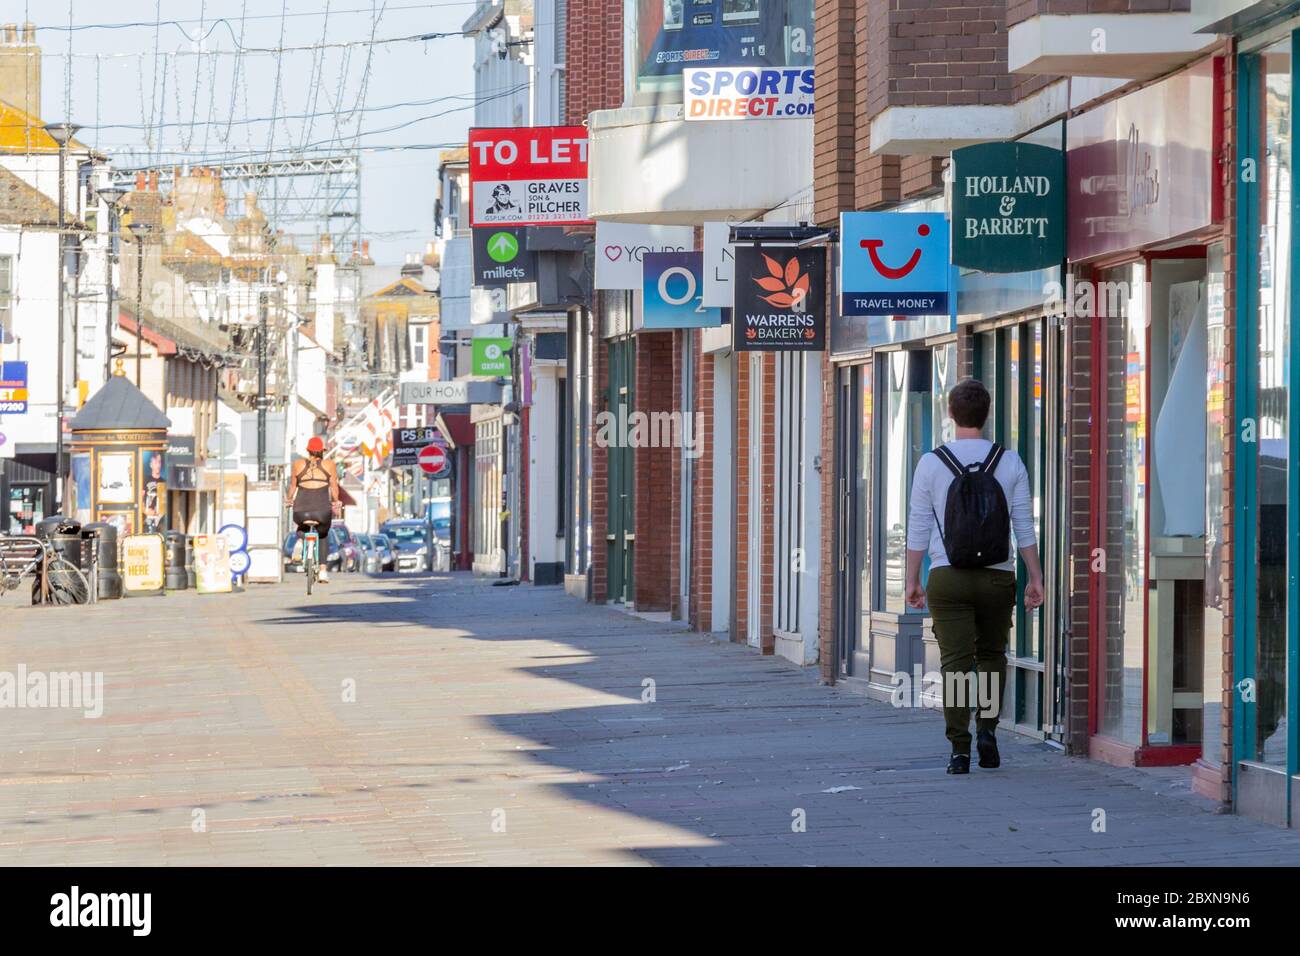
(971, 610)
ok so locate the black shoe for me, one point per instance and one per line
(987, 745)
(959, 763)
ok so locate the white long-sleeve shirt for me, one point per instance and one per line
(930, 495)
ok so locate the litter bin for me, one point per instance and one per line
(102, 537)
(175, 578)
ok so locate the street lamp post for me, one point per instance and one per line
(261, 386)
(139, 230)
(112, 197)
(61, 133)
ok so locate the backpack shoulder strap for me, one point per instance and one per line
(949, 459)
(993, 460)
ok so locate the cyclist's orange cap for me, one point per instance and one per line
(315, 444)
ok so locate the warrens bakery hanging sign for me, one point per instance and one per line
(1008, 207)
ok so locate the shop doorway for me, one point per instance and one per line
(621, 535)
(1151, 699)
(853, 402)
(1022, 365)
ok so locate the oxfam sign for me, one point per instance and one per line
(1008, 207)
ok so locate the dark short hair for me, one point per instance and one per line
(968, 403)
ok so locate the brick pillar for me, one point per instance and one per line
(679, 339)
(766, 515)
(655, 505)
(599, 462)
(701, 609)
(1078, 487)
(743, 498)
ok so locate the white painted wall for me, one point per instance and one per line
(691, 173)
(544, 545)
(34, 310)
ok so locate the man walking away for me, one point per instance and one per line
(967, 496)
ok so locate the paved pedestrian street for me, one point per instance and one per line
(440, 720)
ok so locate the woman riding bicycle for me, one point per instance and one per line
(314, 495)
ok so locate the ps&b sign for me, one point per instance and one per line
(1008, 207)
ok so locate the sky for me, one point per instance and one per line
(206, 89)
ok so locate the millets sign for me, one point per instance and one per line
(1008, 207)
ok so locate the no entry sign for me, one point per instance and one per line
(528, 176)
(433, 460)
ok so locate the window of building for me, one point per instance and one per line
(6, 298)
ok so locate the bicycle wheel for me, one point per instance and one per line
(309, 562)
(67, 584)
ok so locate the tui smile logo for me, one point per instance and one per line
(895, 263)
(894, 272)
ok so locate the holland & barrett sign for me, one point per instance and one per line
(1008, 207)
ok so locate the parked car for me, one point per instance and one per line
(331, 549)
(351, 549)
(373, 554)
(387, 551)
(413, 539)
(442, 543)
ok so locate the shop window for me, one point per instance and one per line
(6, 299)
(906, 418)
(1121, 716)
(1273, 475)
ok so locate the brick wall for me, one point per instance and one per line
(939, 53)
(744, 498)
(594, 66)
(656, 505)
(599, 463)
(1078, 489)
(593, 81)
(1020, 10)
(833, 123)
(700, 613)
(827, 567)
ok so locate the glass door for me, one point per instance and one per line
(1010, 363)
(853, 421)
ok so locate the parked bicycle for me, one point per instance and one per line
(57, 581)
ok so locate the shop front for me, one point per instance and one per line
(1265, 498)
(893, 373)
(1145, 242)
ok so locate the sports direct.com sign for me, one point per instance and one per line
(740, 93)
(528, 176)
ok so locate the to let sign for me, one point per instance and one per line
(1008, 207)
(534, 175)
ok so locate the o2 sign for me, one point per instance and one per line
(672, 292)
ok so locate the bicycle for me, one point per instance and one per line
(58, 581)
(310, 552)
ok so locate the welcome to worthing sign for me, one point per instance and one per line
(1008, 207)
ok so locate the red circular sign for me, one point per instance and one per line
(433, 459)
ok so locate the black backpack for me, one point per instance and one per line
(976, 528)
